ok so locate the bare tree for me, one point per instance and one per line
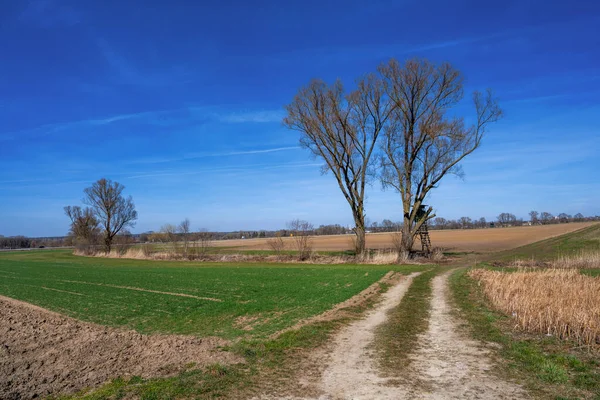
(113, 211)
(202, 242)
(301, 231)
(84, 227)
(482, 223)
(422, 143)
(507, 219)
(465, 222)
(578, 217)
(184, 229)
(277, 244)
(440, 222)
(546, 218)
(342, 129)
(390, 226)
(534, 217)
(564, 218)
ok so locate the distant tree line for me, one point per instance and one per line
(22, 242)
(509, 219)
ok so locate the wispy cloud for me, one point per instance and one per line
(386, 50)
(192, 156)
(189, 115)
(235, 153)
(253, 116)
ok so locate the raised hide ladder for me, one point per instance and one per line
(424, 237)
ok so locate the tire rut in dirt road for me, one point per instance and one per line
(351, 371)
(447, 365)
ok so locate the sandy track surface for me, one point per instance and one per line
(478, 240)
(351, 373)
(448, 365)
(42, 352)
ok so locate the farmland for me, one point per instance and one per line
(184, 329)
(203, 300)
(539, 304)
(467, 240)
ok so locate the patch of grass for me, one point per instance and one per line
(549, 367)
(553, 373)
(214, 381)
(174, 297)
(397, 337)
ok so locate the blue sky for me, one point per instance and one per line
(182, 103)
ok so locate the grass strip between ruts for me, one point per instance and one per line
(397, 338)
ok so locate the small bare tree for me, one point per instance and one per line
(169, 234)
(440, 222)
(301, 231)
(546, 218)
(465, 222)
(507, 219)
(342, 129)
(276, 244)
(422, 143)
(113, 211)
(204, 239)
(184, 229)
(578, 217)
(534, 217)
(123, 241)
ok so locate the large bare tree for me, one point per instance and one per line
(342, 129)
(422, 143)
(112, 210)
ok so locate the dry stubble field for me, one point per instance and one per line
(467, 240)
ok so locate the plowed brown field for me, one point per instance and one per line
(477, 240)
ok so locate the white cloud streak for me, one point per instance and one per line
(193, 156)
(157, 117)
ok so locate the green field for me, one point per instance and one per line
(226, 300)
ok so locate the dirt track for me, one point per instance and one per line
(478, 240)
(351, 373)
(451, 366)
(42, 352)
(446, 364)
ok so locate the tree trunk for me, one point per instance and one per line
(107, 243)
(408, 238)
(359, 245)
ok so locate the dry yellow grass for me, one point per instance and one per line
(559, 302)
(581, 260)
